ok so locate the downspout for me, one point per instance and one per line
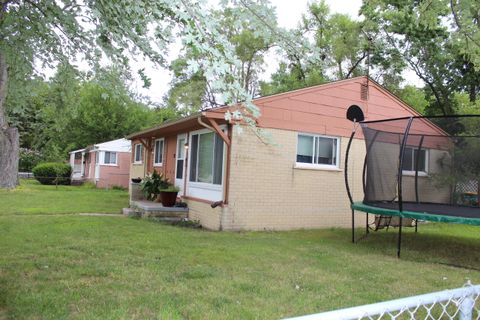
(199, 119)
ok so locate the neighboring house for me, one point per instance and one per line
(233, 181)
(106, 164)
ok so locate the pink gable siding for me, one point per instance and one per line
(322, 109)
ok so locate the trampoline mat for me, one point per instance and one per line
(423, 211)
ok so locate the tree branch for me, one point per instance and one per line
(459, 25)
(350, 71)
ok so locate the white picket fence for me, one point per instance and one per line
(460, 304)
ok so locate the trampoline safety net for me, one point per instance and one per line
(423, 164)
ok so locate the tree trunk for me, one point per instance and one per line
(9, 144)
(9, 141)
(472, 94)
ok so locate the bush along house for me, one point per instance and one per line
(231, 180)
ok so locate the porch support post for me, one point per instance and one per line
(72, 160)
(147, 144)
(82, 165)
(219, 131)
(185, 162)
(227, 165)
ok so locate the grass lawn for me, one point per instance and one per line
(82, 267)
(33, 198)
(78, 267)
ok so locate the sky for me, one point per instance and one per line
(288, 14)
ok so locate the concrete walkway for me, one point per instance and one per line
(100, 214)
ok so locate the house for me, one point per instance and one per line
(232, 180)
(105, 164)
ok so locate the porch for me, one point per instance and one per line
(150, 209)
(80, 163)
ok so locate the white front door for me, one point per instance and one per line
(180, 161)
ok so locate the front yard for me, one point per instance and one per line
(81, 267)
(33, 198)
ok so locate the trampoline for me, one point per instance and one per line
(421, 168)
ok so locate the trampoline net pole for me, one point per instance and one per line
(399, 242)
(417, 164)
(400, 164)
(400, 174)
(349, 145)
(347, 186)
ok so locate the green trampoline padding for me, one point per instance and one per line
(424, 211)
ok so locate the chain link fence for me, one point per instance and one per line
(459, 304)
(467, 193)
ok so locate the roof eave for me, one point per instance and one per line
(218, 113)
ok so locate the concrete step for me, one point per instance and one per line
(150, 209)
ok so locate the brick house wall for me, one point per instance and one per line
(115, 175)
(265, 189)
(268, 193)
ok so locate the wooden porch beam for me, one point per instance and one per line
(222, 134)
(144, 142)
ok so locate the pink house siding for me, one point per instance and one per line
(322, 109)
(115, 175)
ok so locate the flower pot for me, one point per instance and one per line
(168, 198)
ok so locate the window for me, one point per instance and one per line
(180, 156)
(158, 158)
(317, 150)
(138, 153)
(110, 158)
(409, 164)
(206, 164)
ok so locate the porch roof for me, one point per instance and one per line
(191, 122)
(75, 151)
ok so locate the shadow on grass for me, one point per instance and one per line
(425, 246)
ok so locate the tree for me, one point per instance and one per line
(49, 31)
(443, 55)
(343, 50)
(414, 97)
(291, 77)
(103, 115)
(190, 91)
(71, 111)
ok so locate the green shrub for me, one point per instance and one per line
(28, 159)
(52, 173)
(120, 188)
(152, 184)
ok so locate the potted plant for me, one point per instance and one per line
(152, 184)
(168, 195)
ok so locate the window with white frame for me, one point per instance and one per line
(411, 158)
(206, 158)
(138, 156)
(158, 152)
(110, 157)
(317, 150)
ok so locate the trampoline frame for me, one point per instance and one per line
(360, 206)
